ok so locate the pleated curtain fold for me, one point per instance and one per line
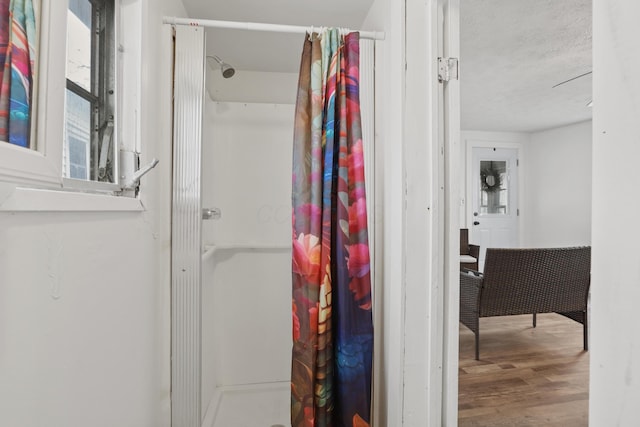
(331, 305)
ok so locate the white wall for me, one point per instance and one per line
(247, 151)
(555, 183)
(388, 16)
(85, 295)
(557, 200)
(253, 86)
(246, 296)
(83, 339)
(614, 385)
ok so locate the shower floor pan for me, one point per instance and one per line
(254, 405)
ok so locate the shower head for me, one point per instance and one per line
(227, 70)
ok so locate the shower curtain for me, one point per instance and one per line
(331, 306)
(17, 65)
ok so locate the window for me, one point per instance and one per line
(89, 148)
(83, 116)
(18, 52)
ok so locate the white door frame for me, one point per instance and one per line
(486, 143)
(431, 217)
(453, 147)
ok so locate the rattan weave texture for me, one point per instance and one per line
(527, 281)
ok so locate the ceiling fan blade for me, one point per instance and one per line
(571, 79)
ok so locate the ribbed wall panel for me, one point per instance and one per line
(367, 111)
(186, 233)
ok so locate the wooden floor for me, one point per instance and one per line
(525, 376)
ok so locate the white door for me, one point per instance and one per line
(494, 199)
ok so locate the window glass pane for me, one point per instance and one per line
(494, 187)
(79, 43)
(82, 9)
(90, 119)
(77, 136)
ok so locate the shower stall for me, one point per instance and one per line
(246, 263)
(231, 297)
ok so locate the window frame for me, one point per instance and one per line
(102, 96)
(41, 166)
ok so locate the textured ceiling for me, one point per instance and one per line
(513, 52)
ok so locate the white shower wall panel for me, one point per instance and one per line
(209, 355)
(252, 323)
(246, 289)
(247, 151)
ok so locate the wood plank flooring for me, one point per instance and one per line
(525, 376)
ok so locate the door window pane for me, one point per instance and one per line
(494, 187)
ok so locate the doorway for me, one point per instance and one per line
(516, 86)
(217, 370)
(493, 194)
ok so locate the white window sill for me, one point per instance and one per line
(19, 199)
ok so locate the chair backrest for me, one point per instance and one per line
(464, 241)
(522, 281)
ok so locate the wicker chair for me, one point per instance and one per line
(469, 254)
(527, 281)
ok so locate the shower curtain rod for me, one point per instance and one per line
(256, 26)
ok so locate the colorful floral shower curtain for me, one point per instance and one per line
(332, 321)
(17, 65)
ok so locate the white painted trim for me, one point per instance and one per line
(390, 94)
(431, 181)
(423, 235)
(368, 117)
(186, 228)
(452, 221)
(18, 199)
(42, 165)
(367, 112)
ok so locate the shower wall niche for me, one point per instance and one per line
(246, 265)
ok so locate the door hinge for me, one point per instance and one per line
(517, 162)
(517, 212)
(447, 69)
